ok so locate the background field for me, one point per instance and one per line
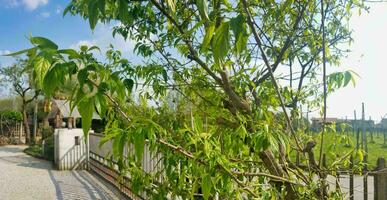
(338, 145)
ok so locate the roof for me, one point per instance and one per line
(64, 107)
(328, 120)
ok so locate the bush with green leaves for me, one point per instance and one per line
(11, 116)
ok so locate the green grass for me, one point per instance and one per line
(338, 145)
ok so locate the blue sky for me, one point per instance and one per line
(19, 18)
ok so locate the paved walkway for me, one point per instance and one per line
(23, 177)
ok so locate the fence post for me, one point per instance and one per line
(351, 185)
(354, 128)
(364, 146)
(20, 132)
(357, 138)
(380, 180)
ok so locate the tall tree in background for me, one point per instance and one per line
(223, 57)
(17, 79)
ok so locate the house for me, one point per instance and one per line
(61, 114)
(318, 122)
(358, 123)
(382, 124)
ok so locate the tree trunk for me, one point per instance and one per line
(25, 122)
(1, 126)
(47, 109)
(46, 123)
(276, 169)
(35, 120)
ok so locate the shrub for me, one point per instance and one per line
(11, 116)
(36, 149)
(47, 132)
(49, 148)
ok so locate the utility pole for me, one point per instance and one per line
(354, 121)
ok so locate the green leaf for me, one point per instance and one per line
(123, 140)
(220, 43)
(20, 52)
(239, 28)
(172, 5)
(43, 42)
(241, 43)
(206, 186)
(94, 48)
(116, 146)
(129, 84)
(66, 10)
(93, 14)
(194, 28)
(53, 79)
(347, 78)
(41, 67)
(165, 75)
(237, 25)
(108, 137)
(70, 52)
(86, 109)
(262, 141)
(101, 6)
(83, 48)
(100, 104)
(82, 76)
(203, 8)
(354, 74)
(208, 36)
(139, 142)
(123, 10)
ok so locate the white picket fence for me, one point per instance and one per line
(101, 163)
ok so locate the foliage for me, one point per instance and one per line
(9, 102)
(10, 116)
(18, 77)
(36, 150)
(207, 95)
(47, 132)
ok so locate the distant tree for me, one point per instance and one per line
(17, 79)
(10, 102)
(8, 119)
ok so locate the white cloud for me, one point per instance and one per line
(44, 14)
(33, 4)
(58, 9)
(102, 37)
(4, 52)
(11, 3)
(28, 4)
(83, 43)
(5, 60)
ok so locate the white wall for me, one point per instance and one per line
(68, 155)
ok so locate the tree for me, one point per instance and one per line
(16, 77)
(8, 119)
(232, 133)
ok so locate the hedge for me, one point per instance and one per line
(10, 115)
